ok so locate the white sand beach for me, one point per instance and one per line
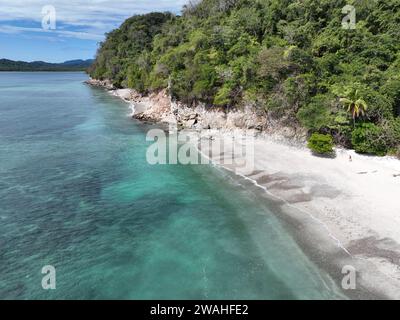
(354, 205)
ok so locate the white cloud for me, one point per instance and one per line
(88, 19)
(72, 34)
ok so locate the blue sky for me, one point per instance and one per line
(79, 26)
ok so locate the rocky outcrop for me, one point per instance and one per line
(159, 107)
(107, 84)
(156, 107)
(201, 117)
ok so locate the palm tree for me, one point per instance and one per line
(354, 105)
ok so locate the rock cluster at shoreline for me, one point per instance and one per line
(159, 107)
(107, 84)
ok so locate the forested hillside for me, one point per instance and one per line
(291, 59)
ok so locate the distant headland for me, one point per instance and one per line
(71, 65)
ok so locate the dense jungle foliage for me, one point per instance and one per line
(292, 59)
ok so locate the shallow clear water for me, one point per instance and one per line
(77, 193)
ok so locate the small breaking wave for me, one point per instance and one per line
(132, 108)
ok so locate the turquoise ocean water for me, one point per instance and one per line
(77, 193)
